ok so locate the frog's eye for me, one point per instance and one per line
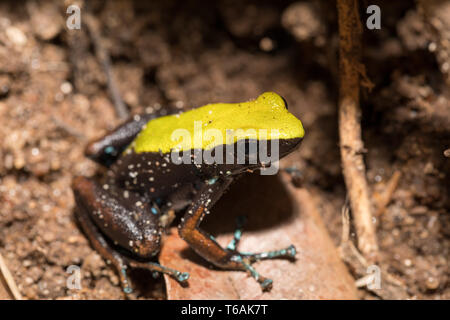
(285, 102)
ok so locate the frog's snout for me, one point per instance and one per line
(287, 146)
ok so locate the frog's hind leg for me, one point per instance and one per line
(207, 247)
(103, 211)
(100, 244)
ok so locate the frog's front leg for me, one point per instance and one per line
(110, 214)
(107, 149)
(207, 247)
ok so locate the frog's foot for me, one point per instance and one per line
(156, 268)
(227, 258)
(246, 259)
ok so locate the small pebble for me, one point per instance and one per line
(407, 262)
(266, 44)
(66, 87)
(432, 283)
(16, 36)
(447, 153)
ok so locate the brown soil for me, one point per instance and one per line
(178, 55)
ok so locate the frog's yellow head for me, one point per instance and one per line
(265, 118)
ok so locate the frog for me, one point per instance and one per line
(125, 213)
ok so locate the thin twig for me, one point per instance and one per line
(68, 129)
(103, 57)
(351, 144)
(390, 286)
(345, 222)
(386, 197)
(4, 271)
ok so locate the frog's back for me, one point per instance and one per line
(152, 173)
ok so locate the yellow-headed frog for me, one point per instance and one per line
(146, 183)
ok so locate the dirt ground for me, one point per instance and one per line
(176, 55)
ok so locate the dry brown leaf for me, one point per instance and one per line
(278, 215)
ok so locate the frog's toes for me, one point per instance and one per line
(127, 290)
(182, 276)
(156, 269)
(288, 252)
(265, 283)
(246, 260)
(177, 275)
(125, 282)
